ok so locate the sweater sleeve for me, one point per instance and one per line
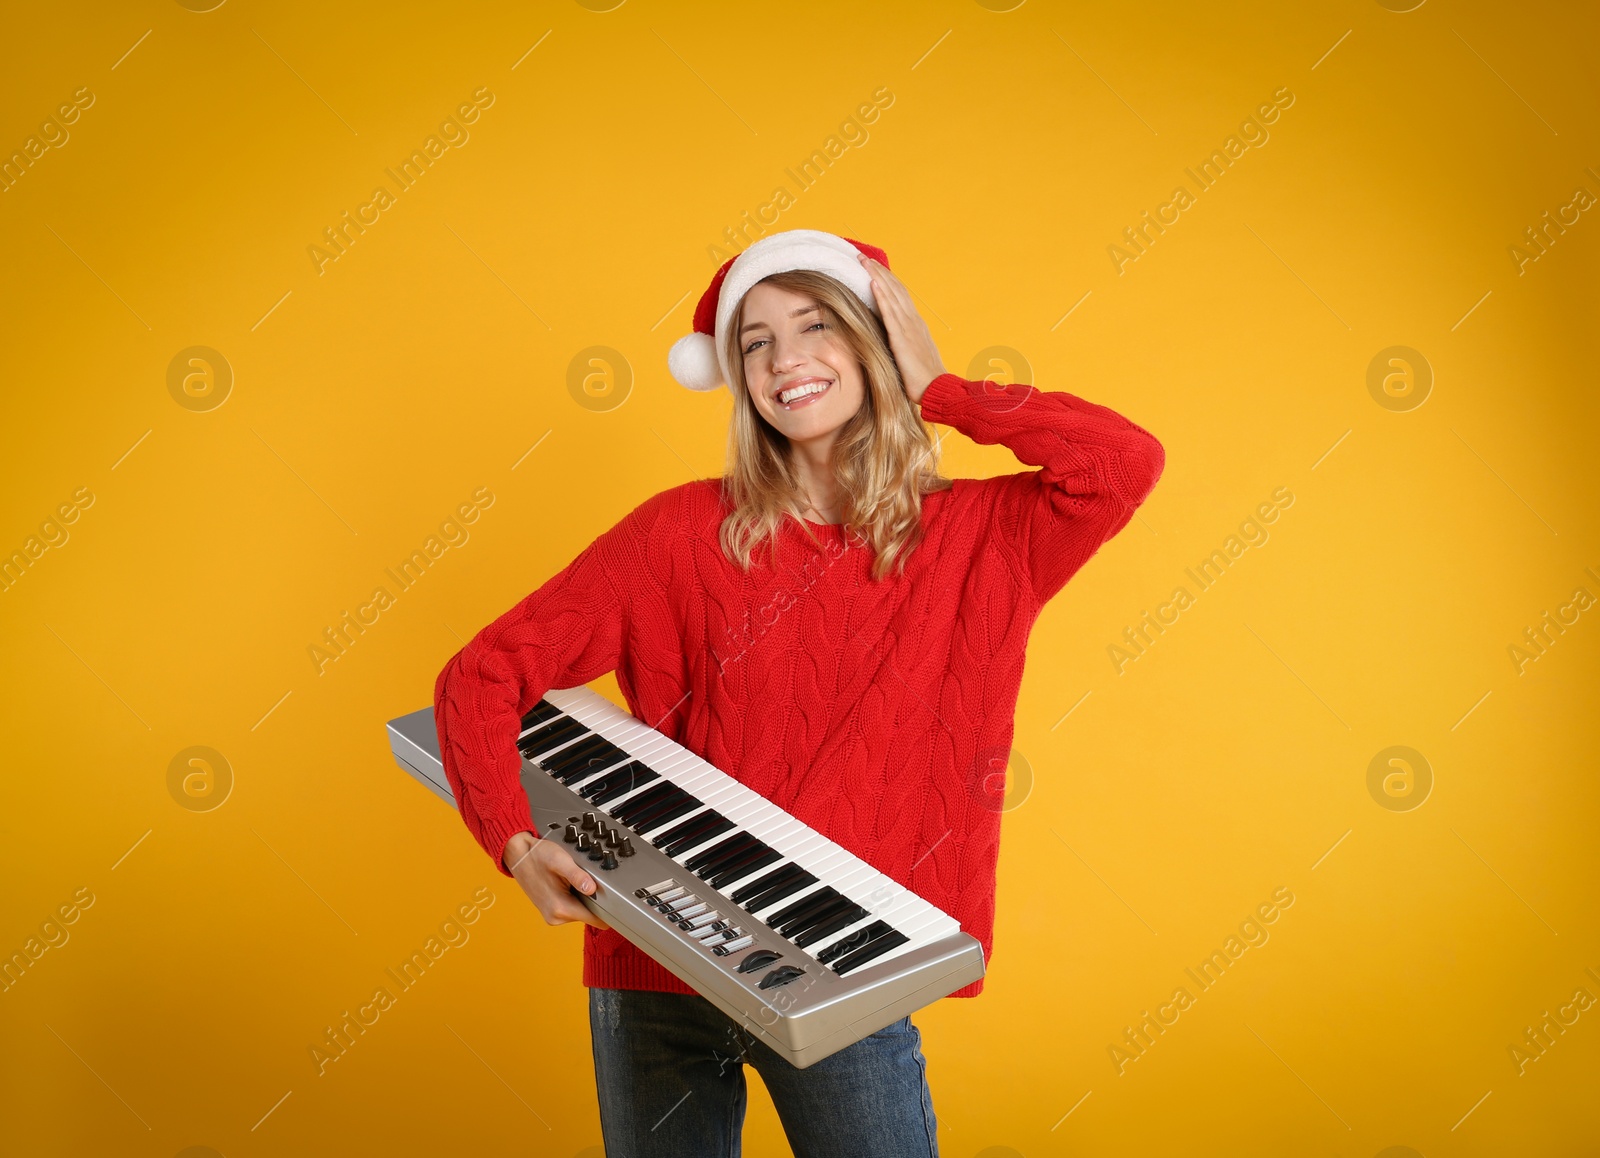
(568, 632)
(1096, 468)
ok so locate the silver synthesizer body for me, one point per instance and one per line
(800, 942)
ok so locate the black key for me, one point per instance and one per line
(541, 713)
(646, 799)
(826, 913)
(547, 735)
(661, 816)
(772, 896)
(782, 975)
(827, 928)
(581, 760)
(623, 781)
(752, 848)
(721, 861)
(772, 880)
(583, 754)
(694, 839)
(871, 952)
(666, 793)
(853, 942)
(743, 867)
(739, 839)
(756, 958)
(696, 828)
(550, 735)
(803, 906)
(624, 778)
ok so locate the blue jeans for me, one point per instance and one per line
(669, 1068)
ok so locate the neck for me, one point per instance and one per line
(813, 463)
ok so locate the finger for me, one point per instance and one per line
(570, 908)
(566, 909)
(568, 871)
(886, 275)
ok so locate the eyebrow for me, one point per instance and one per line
(792, 314)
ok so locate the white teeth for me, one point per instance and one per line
(789, 396)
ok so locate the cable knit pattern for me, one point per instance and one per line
(867, 710)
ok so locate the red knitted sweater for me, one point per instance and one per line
(874, 711)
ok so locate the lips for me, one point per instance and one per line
(825, 385)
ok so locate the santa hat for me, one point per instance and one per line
(696, 360)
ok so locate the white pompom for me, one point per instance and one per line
(693, 362)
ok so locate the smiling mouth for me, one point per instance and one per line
(803, 394)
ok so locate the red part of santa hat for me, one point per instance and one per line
(696, 360)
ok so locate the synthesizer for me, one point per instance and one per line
(800, 942)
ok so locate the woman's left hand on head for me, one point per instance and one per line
(909, 339)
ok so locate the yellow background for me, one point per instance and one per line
(430, 358)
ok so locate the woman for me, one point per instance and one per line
(833, 623)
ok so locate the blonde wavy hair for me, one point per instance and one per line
(885, 457)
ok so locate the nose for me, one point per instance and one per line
(785, 353)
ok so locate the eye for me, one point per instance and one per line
(750, 349)
(816, 326)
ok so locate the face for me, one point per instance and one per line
(790, 344)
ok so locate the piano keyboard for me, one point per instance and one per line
(805, 945)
